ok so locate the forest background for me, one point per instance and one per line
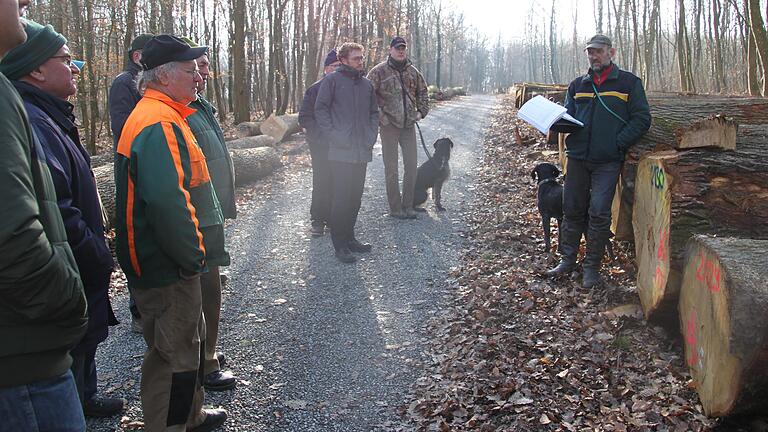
(265, 53)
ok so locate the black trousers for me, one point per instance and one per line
(320, 209)
(588, 190)
(348, 180)
(84, 372)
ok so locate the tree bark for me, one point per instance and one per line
(251, 142)
(698, 191)
(280, 127)
(723, 296)
(253, 164)
(240, 91)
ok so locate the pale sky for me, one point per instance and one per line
(509, 17)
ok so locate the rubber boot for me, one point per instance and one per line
(569, 247)
(593, 259)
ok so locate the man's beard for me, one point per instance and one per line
(599, 68)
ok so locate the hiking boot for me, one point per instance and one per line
(564, 267)
(317, 230)
(356, 246)
(591, 278)
(214, 419)
(104, 407)
(344, 255)
(219, 381)
(397, 214)
(221, 358)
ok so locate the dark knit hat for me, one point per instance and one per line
(331, 58)
(164, 49)
(139, 42)
(42, 43)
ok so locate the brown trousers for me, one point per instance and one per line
(393, 137)
(210, 283)
(171, 375)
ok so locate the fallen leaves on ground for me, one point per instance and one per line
(516, 351)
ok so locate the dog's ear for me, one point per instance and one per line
(533, 174)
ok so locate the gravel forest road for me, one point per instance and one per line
(319, 345)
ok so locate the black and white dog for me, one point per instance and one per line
(549, 199)
(432, 174)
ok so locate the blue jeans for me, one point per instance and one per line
(49, 405)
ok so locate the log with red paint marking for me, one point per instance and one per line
(722, 310)
(699, 191)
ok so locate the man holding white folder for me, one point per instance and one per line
(612, 105)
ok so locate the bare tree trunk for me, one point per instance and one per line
(166, 16)
(553, 69)
(761, 38)
(240, 92)
(752, 58)
(439, 45)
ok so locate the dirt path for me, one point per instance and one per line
(319, 345)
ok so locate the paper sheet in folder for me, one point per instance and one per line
(544, 115)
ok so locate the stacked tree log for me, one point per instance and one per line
(250, 164)
(682, 122)
(698, 191)
(280, 127)
(526, 91)
(723, 304)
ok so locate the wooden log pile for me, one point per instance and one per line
(698, 191)
(526, 91)
(723, 304)
(250, 164)
(683, 122)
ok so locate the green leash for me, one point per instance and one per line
(606, 106)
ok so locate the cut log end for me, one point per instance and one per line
(281, 127)
(716, 131)
(723, 297)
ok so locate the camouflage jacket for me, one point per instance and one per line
(400, 93)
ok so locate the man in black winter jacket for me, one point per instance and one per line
(320, 208)
(123, 97)
(348, 117)
(612, 105)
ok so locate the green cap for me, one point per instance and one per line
(598, 41)
(42, 43)
(189, 41)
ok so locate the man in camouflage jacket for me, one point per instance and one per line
(401, 93)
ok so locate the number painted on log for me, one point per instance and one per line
(657, 177)
(708, 273)
(690, 339)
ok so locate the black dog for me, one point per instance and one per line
(549, 199)
(432, 174)
(550, 203)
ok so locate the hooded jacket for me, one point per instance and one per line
(401, 92)
(347, 115)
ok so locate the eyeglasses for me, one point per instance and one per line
(192, 72)
(69, 62)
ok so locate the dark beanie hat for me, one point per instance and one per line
(331, 58)
(42, 43)
(139, 41)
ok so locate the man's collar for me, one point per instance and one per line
(182, 109)
(613, 74)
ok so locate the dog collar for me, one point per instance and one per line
(546, 181)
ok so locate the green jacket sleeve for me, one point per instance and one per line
(163, 181)
(38, 276)
(639, 118)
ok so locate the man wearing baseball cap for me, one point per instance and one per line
(44, 74)
(612, 105)
(401, 93)
(320, 208)
(160, 173)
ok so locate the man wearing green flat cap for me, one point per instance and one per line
(44, 74)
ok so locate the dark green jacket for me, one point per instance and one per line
(604, 137)
(42, 304)
(210, 138)
(163, 195)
